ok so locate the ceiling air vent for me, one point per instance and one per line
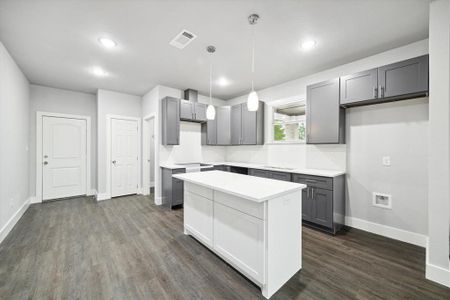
(182, 39)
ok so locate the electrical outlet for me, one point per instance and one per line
(386, 161)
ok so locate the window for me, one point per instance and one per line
(289, 122)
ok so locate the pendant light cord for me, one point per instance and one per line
(253, 56)
(210, 81)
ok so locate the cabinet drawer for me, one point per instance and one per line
(280, 176)
(199, 190)
(258, 173)
(247, 207)
(314, 181)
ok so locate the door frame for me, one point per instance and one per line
(39, 135)
(145, 151)
(109, 118)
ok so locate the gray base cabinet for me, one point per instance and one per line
(270, 174)
(172, 188)
(323, 202)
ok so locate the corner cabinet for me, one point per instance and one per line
(247, 127)
(325, 118)
(170, 121)
(398, 81)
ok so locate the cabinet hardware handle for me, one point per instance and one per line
(381, 89)
(312, 193)
(307, 192)
(114, 162)
(375, 92)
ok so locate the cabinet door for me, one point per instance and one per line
(322, 207)
(306, 205)
(240, 239)
(359, 87)
(405, 77)
(211, 132)
(186, 110)
(236, 125)
(259, 173)
(323, 113)
(177, 191)
(223, 125)
(198, 217)
(280, 176)
(171, 121)
(248, 126)
(200, 111)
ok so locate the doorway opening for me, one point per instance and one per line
(149, 167)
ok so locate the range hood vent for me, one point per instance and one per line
(191, 95)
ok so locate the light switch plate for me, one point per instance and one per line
(386, 161)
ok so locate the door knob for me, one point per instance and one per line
(45, 163)
(45, 156)
(114, 162)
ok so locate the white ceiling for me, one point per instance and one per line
(55, 41)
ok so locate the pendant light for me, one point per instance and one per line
(210, 110)
(253, 99)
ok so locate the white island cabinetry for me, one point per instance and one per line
(252, 223)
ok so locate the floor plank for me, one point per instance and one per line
(128, 248)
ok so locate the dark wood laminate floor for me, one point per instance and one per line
(128, 248)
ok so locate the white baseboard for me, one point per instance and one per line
(388, 231)
(13, 220)
(34, 199)
(436, 273)
(158, 200)
(103, 196)
(92, 192)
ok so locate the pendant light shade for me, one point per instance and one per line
(253, 101)
(210, 112)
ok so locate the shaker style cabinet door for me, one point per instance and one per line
(223, 125)
(200, 112)
(322, 207)
(324, 113)
(211, 132)
(186, 110)
(359, 87)
(405, 77)
(170, 121)
(236, 125)
(249, 126)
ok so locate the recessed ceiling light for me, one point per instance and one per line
(223, 81)
(107, 43)
(97, 71)
(308, 44)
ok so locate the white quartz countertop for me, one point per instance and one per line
(306, 171)
(249, 187)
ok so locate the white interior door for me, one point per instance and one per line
(124, 157)
(64, 157)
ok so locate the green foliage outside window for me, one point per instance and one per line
(301, 131)
(278, 132)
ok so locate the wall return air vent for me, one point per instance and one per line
(182, 39)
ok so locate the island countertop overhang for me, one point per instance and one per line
(252, 188)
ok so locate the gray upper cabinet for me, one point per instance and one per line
(325, 118)
(170, 121)
(403, 78)
(247, 127)
(359, 87)
(223, 125)
(200, 112)
(186, 110)
(192, 111)
(236, 124)
(209, 132)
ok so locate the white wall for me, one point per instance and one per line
(397, 129)
(438, 268)
(111, 103)
(14, 132)
(190, 148)
(47, 99)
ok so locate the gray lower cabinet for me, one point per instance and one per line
(192, 111)
(270, 174)
(402, 80)
(247, 127)
(325, 118)
(323, 201)
(170, 121)
(172, 188)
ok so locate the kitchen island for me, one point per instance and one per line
(252, 223)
